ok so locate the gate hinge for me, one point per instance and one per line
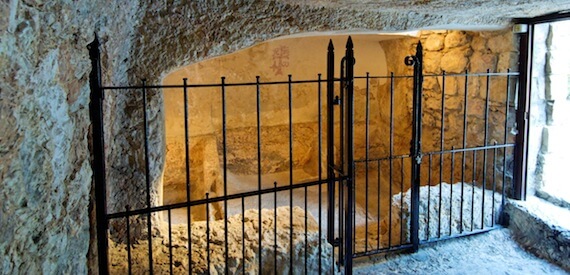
(419, 158)
(336, 100)
(336, 242)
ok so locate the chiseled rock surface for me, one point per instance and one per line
(243, 252)
(45, 172)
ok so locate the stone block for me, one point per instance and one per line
(501, 43)
(432, 62)
(434, 42)
(455, 39)
(479, 62)
(454, 61)
(306, 242)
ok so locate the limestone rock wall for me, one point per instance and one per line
(45, 172)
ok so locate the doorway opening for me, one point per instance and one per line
(550, 112)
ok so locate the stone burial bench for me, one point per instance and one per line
(243, 246)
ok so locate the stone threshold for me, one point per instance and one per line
(556, 199)
(542, 228)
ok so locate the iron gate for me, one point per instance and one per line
(409, 194)
(350, 189)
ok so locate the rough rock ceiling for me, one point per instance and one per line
(467, 12)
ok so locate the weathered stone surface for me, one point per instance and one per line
(538, 226)
(456, 39)
(243, 246)
(497, 43)
(434, 42)
(454, 61)
(45, 174)
(452, 204)
(205, 175)
(472, 218)
(481, 62)
(432, 62)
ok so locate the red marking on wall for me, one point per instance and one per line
(280, 59)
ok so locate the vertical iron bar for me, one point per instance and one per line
(354, 212)
(320, 137)
(379, 165)
(258, 113)
(274, 228)
(416, 146)
(521, 139)
(451, 189)
(391, 159)
(243, 235)
(442, 148)
(349, 163)
(473, 180)
(341, 217)
(330, 144)
(465, 100)
(290, 101)
(507, 102)
(494, 184)
(486, 140)
(170, 240)
(187, 159)
(402, 201)
(342, 134)
(306, 235)
(429, 198)
(129, 256)
(98, 152)
(225, 165)
(367, 155)
(147, 176)
(208, 231)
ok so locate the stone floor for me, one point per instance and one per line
(494, 252)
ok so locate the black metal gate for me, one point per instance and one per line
(410, 194)
(375, 198)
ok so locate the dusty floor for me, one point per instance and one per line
(494, 252)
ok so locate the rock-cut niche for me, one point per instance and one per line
(302, 57)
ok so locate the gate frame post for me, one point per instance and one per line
(98, 153)
(349, 162)
(330, 143)
(522, 114)
(416, 143)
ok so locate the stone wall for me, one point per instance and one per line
(45, 172)
(457, 52)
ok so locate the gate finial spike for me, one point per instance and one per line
(95, 43)
(349, 44)
(331, 46)
(419, 47)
